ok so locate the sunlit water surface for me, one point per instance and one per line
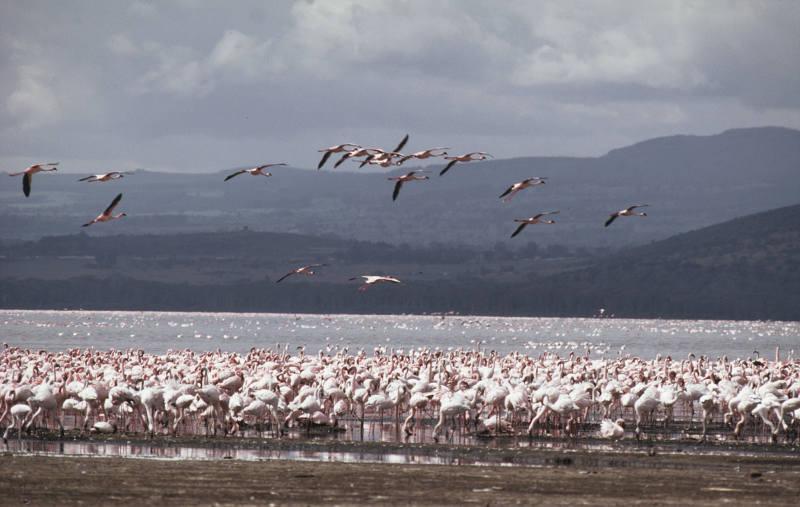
(158, 332)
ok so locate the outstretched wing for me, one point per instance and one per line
(237, 173)
(402, 143)
(113, 205)
(397, 187)
(611, 219)
(447, 167)
(341, 160)
(86, 178)
(507, 191)
(26, 184)
(519, 229)
(325, 158)
(366, 161)
(287, 275)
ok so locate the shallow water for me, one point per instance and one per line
(506, 451)
(159, 331)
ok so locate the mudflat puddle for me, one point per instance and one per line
(521, 452)
(158, 451)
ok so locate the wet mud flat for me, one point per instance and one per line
(567, 478)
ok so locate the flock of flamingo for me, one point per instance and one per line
(350, 151)
(363, 156)
(186, 392)
(470, 391)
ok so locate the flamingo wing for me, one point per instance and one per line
(287, 275)
(447, 167)
(237, 173)
(366, 161)
(341, 160)
(397, 187)
(402, 143)
(113, 204)
(508, 191)
(26, 184)
(611, 219)
(325, 158)
(519, 229)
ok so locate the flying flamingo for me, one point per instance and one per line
(371, 153)
(627, 212)
(468, 157)
(30, 171)
(382, 158)
(422, 155)
(335, 149)
(113, 175)
(356, 153)
(256, 171)
(412, 176)
(522, 185)
(107, 215)
(536, 219)
(304, 270)
(374, 279)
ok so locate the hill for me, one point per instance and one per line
(690, 181)
(741, 269)
(746, 268)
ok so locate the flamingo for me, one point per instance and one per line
(627, 212)
(613, 430)
(467, 157)
(536, 219)
(103, 427)
(28, 173)
(255, 171)
(304, 270)
(382, 158)
(522, 185)
(424, 154)
(102, 178)
(357, 153)
(335, 149)
(19, 413)
(107, 215)
(374, 279)
(412, 176)
(451, 406)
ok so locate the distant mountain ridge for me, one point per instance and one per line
(746, 268)
(690, 181)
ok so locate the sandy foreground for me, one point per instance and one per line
(583, 477)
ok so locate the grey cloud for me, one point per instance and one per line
(189, 85)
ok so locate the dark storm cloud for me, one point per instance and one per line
(188, 85)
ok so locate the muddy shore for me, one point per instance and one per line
(544, 477)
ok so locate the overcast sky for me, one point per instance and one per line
(191, 85)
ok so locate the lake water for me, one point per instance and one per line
(157, 332)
